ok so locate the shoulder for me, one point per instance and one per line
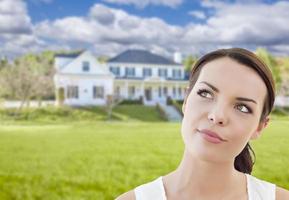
(127, 196)
(282, 194)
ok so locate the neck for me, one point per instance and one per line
(199, 177)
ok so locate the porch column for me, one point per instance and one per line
(126, 89)
(177, 90)
(162, 88)
(143, 92)
(142, 89)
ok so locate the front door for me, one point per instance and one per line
(148, 94)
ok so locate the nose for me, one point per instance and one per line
(217, 116)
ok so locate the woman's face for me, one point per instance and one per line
(227, 100)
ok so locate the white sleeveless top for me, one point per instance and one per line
(256, 188)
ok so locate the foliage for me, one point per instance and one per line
(18, 81)
(178, 105)
(3, 63)
(111, 102)
(68, 114)
(131, 102)
(51, 115)
(162, 112)
(60, 96)
(272, 63)
(29, 76)
(138, 113)
(102, 59)
(188, 62)
(283, 62)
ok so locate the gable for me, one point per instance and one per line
(76, 65)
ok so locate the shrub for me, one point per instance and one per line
(162, 112)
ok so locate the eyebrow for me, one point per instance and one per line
(238, 98)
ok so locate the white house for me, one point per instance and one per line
(133, 74)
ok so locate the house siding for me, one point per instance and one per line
(115, 80)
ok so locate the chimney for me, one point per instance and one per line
(178, 57)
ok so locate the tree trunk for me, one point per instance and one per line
(39, 101)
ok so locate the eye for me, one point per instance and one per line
(243, 108)
(204, 93)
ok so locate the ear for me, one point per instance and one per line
(260, 127)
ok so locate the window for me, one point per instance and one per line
(98, 92)
(115, 70)
(147, 72)
(129, 71)
(174, 91)
(85, 66)
(163, 73)
(72, 92)
(180, 73)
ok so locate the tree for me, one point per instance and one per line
(111, 102)
(189, 62)
(3, 63)
(284, 65)
(272, 63)
(102, 59)
(17, 82)
(30, 76)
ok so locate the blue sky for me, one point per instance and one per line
(107, 27)
(53, 9)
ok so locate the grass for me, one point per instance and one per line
(100, 160)
(92, 114)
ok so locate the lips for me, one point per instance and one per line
(211, 136)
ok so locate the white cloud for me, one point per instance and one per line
(13, 17)
(68, 29)
(122, 29)
(259, 24)
(230, 25)
(15, 45)
(198, 14)
(102, 14)
(108, 31)
(144, 3)
(16, 29)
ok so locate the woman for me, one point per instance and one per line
(230, 96)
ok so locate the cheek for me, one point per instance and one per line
(242, 129)
(239, 138)
(240, 134)
(194, 113)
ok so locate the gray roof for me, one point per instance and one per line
(68, 55)
(141, 56)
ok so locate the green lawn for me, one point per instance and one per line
(100, 160)
(68, 114)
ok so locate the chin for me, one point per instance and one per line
(205, 153)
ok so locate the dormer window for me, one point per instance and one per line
(85, 66)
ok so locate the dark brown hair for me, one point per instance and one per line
(243, 162)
